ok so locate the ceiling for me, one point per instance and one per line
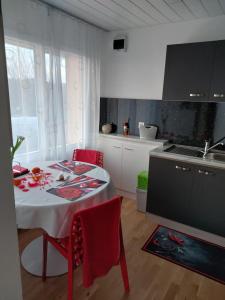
(124, 14)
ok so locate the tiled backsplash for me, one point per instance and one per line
(188, 123)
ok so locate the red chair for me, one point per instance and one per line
(89, 156)
(95, 241)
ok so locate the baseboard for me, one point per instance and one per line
(127, 194)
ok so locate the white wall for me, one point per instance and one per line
(10, 282)
(139, 73)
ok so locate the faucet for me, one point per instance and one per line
(207, 147)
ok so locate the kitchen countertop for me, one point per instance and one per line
(159, 152)
(133, 138)
(163, 145)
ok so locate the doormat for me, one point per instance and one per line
(189, 252)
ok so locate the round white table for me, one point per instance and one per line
(37, 208)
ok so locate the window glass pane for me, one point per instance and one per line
(63, 69)
(48, 67)
(72, 95)
(22, 91)
(32, 76)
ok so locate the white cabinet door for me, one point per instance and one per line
(124, 160)
(135, 159)
(112, 159)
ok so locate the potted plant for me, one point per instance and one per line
(16, 146)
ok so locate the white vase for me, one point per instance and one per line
(107, 128)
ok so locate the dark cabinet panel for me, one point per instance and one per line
(188, 71)
(218, 76)
(170, 183)
(187, 193)
(208, 201)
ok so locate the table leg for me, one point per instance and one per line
(31, 259)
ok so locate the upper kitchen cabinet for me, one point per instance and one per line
(188, 71)
(217, 92)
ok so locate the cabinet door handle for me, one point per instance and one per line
(186, 169)
(208, 173)
(178, 167)
(203, 172)
(117, 147)
(196, 95)
(219, 95)
(129, 149)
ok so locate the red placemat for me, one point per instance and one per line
(77, 187)
(74, 167)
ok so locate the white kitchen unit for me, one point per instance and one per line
(124, 158)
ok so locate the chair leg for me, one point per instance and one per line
(45, 256)
(70, 278)
(123, 264)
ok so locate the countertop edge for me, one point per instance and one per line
(159, 152)
(133, 138)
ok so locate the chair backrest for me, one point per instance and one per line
(90, 156)
(96, 238)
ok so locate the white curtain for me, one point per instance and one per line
(53, 64)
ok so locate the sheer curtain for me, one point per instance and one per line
(53, 64)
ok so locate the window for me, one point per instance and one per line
(33, 82)
(22, 90)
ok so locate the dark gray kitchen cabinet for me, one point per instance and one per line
(217, 92)
(187, 193)
(188, 71)
(208, 201)
(170, 184)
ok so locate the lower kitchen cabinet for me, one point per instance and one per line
(124, 160)
(208, 202)
(135, 159)
(187, 193)
(113, 160)
(170, 185)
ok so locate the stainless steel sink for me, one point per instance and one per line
(216, 156)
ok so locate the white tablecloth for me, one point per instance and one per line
(40, 209)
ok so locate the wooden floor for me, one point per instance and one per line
(150, 277)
